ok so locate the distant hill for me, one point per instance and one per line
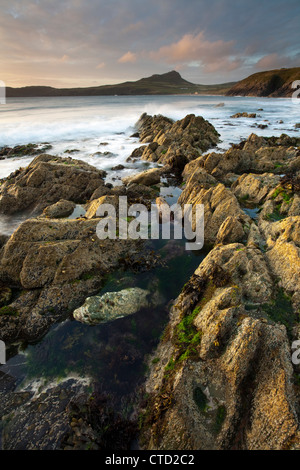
(275, 83)
(165, 84)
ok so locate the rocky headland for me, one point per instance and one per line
(221, 376)
(272, 83)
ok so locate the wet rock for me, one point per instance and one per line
(41, 421)
(60, 209)
(244, 114)
(24, 150)
(146, 178)
(118, 167)
(113, 305)
(148, 126)
(71, 151)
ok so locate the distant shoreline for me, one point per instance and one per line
(272, 83)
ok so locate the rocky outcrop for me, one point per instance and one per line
(254, 188)
(41, 420)
(174, 144)
(24, 150)
(225, 378)
(53, 265)
(47, 180)
(256, 154)
(222, 377)
(277, 83)
(244, 114)
(219, 205)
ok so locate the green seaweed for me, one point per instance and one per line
(10, 311)
(220, 418)
(280, 310)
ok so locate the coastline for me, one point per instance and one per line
(226, 300)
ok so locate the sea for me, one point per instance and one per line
(83, 124)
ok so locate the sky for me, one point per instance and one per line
(95, 42)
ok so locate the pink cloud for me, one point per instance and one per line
(101, 65)
(213, 55)
(64, 58)
(128, 57)
(273, 61)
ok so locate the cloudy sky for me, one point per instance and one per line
(65, 43)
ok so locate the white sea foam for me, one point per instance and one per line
(84, 123)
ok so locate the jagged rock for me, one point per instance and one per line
(118, 167)
(284, 260)
(47, 180)
(285, 230)
(256, 154)
(150, 126)
(254, 188)
(230, 231)
(224, 378)
(285, 200)
(247, 268)
(283, 253)
(197, 177)
(175, 144)
(255, 238)
(3, 240)
(219, 203)
(293, 209)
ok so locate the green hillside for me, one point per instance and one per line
(165, 84)
(275, 83)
